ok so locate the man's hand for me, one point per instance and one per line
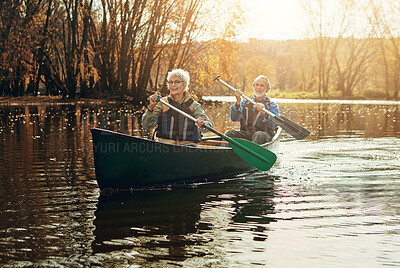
(259, 106)
(238, 95)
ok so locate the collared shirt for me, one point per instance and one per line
(237, 112)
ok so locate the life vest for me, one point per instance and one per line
(252, 119)
(172, 125)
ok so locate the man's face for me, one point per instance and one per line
(260, 87)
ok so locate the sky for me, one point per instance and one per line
(273, 19)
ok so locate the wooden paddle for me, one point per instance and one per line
(252, 153)
(289, 126)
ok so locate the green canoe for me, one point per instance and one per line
(123, 161)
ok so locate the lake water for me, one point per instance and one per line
(332, 200)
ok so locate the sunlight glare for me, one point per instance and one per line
(272, 19)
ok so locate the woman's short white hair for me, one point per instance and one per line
(182, 74)
(263, 77)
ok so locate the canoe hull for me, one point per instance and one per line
(124, 162)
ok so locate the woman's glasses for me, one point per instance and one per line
(177, 82)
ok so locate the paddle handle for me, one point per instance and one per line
(244, 96)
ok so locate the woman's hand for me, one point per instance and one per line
(153, 102)
(199, 122)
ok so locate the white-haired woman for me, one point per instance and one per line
(173, 127)
(255, 124)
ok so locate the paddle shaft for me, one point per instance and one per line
(289, 126)
(190, 117)
(244, 96)
(230, 140)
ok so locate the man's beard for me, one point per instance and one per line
(261, 94)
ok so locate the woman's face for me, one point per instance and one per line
(176, 87)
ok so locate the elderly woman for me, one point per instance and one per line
(173, 127)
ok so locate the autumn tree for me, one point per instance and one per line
(255, 58)
(39, 62)
(304, 62)
(217, 51)
(18, 33)
(138, 42)
(356, 50)
(352, 64)
(75, 39)
(384, 18)
(328, 22)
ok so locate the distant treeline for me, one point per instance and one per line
(120, 48)
(351, 50)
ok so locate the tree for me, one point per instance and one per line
(355, 58)
(39, 52)
(356, 50)
(18, 33)
(384, 18)
(328, 22)
(306, 68)
(75, 39)
(217, 22)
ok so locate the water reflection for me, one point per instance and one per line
(48, 191)
(46, 219)
(324, 120)
(181, 224)
(156, 225)
(341, 182)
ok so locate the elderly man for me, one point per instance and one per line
(255, 124)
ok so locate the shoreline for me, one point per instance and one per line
(58, 100)
(311, 101)
(52, 100)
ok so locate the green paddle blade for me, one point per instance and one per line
(252, 153)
